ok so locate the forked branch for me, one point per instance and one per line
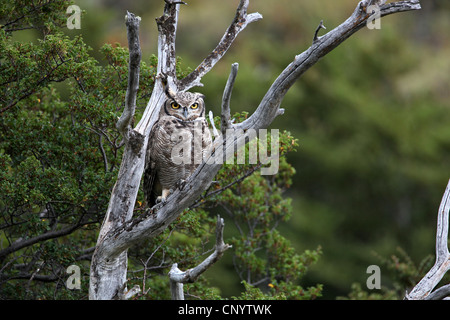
(240, 22)
(178, 277)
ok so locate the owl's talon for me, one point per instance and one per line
(180, 184)
(161, 200)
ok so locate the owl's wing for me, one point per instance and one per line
(152, 187)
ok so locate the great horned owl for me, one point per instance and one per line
(178, 142)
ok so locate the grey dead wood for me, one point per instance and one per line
(178, 277)
(424, 289)
(119, 231)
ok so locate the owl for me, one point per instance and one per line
(178, 143)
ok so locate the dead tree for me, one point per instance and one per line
(119, 230)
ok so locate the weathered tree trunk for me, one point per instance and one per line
(119, 231)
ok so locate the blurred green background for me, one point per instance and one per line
(371, 118)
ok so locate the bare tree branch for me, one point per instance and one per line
(124, 193)
(124, 123)
(226, 113)
(178, 277)
(166, 68)
(268, 109)
(423, 289)
(440, 293)
(240, 22)
(167, 27)
(23, 243)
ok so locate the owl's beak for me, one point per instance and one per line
(185, 112)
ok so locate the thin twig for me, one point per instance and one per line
(320, 26)
(102, 151)
(218, 191)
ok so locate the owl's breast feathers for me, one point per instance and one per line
(168, 140)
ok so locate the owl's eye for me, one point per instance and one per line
(175, 105)
(194, 106)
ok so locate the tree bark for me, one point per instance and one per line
(119, 231)
(423, 290)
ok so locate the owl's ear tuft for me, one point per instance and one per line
(170, 93)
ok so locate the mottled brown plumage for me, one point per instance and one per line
(178, 142)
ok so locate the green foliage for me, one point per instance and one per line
(265, 260)
(59, 149)
(282, 291)
(41, 15)
(372, 155)
(186, 243)
(59, 158)
(403, 273)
